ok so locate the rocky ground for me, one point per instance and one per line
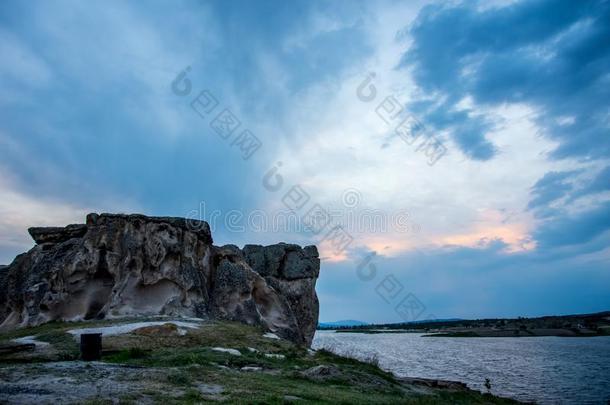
(165, 361)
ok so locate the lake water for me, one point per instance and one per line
(547, 370)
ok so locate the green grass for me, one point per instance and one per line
(180, 378)
(261, 388)
(359, 382)
(186, 362)
(64, 343)
(179, 357)
(65, 326)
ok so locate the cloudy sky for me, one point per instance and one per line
(463, 148)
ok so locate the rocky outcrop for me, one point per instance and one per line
(57, 234)
(119, 265)
(293, 272)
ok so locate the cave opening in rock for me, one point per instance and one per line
(101, 284)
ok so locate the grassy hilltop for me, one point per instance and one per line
(217, 361)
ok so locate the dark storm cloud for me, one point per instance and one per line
(553, 55)
(550, 188)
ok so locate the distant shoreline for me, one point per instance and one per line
(478, 333)
(586, 325)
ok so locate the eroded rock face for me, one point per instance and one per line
(293, 272)
(125, 265)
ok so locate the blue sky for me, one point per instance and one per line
(514, 219)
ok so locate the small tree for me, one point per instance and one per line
(488, 385)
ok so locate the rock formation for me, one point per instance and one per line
(119, 265)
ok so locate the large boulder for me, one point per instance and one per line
(293, 272)
(119, 265)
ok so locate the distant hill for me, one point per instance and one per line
(341, 324)
(351, 323)
(430, 321)
(561, 325)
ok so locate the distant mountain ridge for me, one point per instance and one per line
(343, 323)
(430, 321)
(350, 323)
(595, 324)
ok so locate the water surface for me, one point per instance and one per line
(541, 369)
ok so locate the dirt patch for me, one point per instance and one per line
(76, 382)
